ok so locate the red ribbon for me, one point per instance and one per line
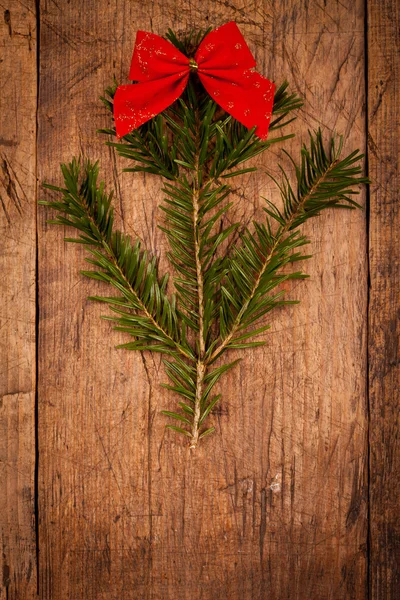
(224, 65)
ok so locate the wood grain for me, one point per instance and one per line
(384, 309)
(17, 292)
(274, 505)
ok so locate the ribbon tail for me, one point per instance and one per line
(136, 103)
(248, 97)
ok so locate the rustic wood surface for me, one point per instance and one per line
(384, 307)
(275, 504)
(18, 76)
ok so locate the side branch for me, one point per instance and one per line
(284, 229)
(108, 249)
(87, 208)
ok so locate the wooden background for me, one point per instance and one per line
(296, 496)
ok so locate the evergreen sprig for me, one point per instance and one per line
(143, 307)
(220, 298)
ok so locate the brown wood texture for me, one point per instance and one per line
(276, 504)
(17, 291)
(384, 307)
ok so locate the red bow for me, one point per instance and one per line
(224, 64)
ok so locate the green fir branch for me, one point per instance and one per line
(221, 298)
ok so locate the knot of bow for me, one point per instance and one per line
(224, 65)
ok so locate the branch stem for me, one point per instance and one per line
(201, 371)
(199, 268)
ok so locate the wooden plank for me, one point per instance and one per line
(274, 505)
(17, 456)
(384, 322)
(17, 292)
